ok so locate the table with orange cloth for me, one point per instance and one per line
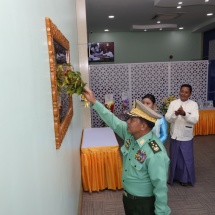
(206, 123)
(101, 163)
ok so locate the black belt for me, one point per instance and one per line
(135, 197)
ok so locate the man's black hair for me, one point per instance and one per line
(186, 85)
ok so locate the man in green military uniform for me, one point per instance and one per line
(145, 161)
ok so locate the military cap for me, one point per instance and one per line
(141, 110)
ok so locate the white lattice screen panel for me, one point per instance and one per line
(193, 73)
(107, 79)
(149, 78)
(159, 79)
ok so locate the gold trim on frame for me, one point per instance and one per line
(53, 33)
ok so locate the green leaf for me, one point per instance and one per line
(79, 90)
(69, 79)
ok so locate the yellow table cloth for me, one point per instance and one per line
(101, 163)
(206, 123)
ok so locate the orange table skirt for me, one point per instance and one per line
(206, 123)
(101, 168)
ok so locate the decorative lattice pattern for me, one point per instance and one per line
(159, 79)
(108, 79)
(64, 104)
(193, 73)
(149, 78)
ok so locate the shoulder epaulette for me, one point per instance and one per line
(154, 146)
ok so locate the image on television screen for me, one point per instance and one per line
(101, 52)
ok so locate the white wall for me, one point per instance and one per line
(35, 178)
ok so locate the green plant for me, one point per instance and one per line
(69, 79)
(165, 105)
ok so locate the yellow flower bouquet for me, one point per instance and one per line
(166, 102)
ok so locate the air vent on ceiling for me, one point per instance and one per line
(167, 16)
(153, 27)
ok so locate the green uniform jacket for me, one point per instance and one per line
(145, 162)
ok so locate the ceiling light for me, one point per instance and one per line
(111, 16)
(180, 2)
(210, 14)
(206, 0)
(158, 22)
(181, 28)
(106, 30)
(179, 7)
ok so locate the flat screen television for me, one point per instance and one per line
(101, 52)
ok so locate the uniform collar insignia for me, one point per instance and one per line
(141, 141)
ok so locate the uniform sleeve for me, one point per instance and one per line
(170, 114)
(158, 171)
(118, 126)
(192, 116)
(163, 130)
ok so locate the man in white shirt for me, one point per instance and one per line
(108, 54)
(182, 114)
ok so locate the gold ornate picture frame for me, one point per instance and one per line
(61, 122)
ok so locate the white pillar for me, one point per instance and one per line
(83, 55)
